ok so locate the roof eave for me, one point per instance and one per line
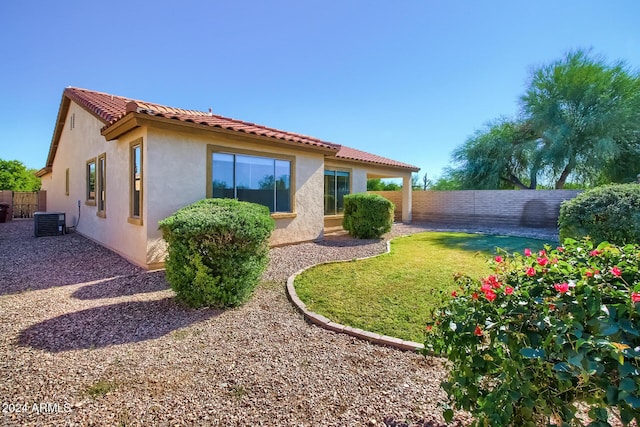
(134, 119)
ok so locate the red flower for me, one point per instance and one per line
(554, 261)
(588, 273)
(560, 249)
(499, 259)
(428, 328)
(542, 261)
(616, 271)
(454, 294)
(595, 252)
(490, 295)
(561, 287)
(635, 297)
(508, 290)
(485, 287)
(474, 296)
(492, 281)
(527, 252)
(552, 307)
(478, 331)
(531, 271)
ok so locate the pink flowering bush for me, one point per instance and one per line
(546, 331)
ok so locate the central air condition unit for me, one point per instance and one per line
(49, 223)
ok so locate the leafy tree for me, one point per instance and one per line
(376, 184)
(450, 180)
(15, 176)
(580, 119)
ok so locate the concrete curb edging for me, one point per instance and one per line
(323, 322)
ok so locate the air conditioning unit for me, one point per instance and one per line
(49, 223)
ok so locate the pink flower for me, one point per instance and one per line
(527, 252)
(542, 253)
(499, 259)
(588, 273)
(477, 332)
(542, 261)
(635, 297)
(554, 261)
(508, 290)
(560, 249)
(490, 295)
(531, 271)
(561, 287)
(485, 287)
(616, 271)
(595, 252)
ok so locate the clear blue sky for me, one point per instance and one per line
(408, 80)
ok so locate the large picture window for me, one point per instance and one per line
(337, 184)
(250, 178)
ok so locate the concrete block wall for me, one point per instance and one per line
(498, 208)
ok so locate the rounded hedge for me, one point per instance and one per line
(609, 213)
(367, 215)
(217, 251)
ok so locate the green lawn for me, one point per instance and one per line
(394, 294)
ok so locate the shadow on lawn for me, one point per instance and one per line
(141, 283)
(114, 324)
(485, 243)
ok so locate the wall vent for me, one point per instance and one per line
(49, 223)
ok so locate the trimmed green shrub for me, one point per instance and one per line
(609, 213)
(367, 216)
(218, 249)
(547, 335)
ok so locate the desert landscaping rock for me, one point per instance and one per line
(89, 339)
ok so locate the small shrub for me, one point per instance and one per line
(366, 215)
(610, 213)
(546, 331)
(218, 248)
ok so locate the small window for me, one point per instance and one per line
(337, 184)
(102, 184)
(66, 182)
(135, 205)
(91, 182)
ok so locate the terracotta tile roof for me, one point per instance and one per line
(111, 108)
(348, 153)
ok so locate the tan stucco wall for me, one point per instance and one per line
(175, 176)
(76, 146)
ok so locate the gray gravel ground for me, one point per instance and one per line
(88, 339)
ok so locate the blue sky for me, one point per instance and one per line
(407, 80)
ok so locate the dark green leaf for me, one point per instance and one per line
(532, 353)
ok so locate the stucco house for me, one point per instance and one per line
(116, 166)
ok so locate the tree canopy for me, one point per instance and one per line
(579, 121)
(15, 176)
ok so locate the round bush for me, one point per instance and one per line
(217, 251)
(610, 213)
(366, 215)
(549, 332)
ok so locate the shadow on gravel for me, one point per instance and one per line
(115, 324)
(142, 283)
(30, 263)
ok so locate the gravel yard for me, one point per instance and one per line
(89, 339)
